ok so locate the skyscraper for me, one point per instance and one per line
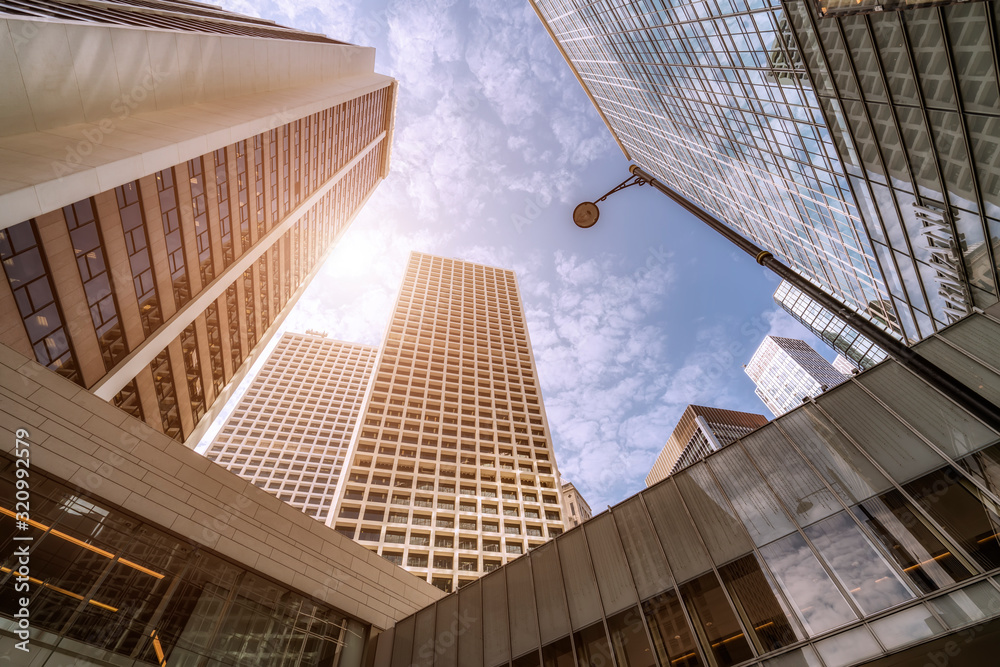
(168, 196)
(714, 100)
(291, 429)
(855, 140)
(843, 365)
(911, 95)
(858, 350)
(575, 508)
(787, 371)
(451, 471)
(699, 432)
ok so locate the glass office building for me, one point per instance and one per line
(858, 143)
(912, 99)
(860, 525)
(714, 99)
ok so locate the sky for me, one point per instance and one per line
(496, 142)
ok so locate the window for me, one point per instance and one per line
(222, 194)
(166, 396)
(170, 217)
(29, 280)
(137, 246)
(192, 369)
(88, 247)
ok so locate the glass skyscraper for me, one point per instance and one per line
(859, 144)
(714, 99)
(913, 101)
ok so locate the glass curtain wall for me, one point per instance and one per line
(107, 588)
(853, 526)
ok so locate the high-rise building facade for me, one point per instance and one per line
(859, 350)
(700, 431)
(787, 371)
(174, 176)
(714, 100)
(856, 140)
(451, 471)
(576, 510)
(911, 94)
(843, 365)
(290, 431)
(858, 529)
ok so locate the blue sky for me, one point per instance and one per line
(495, 143)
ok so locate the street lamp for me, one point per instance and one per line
(586, 215)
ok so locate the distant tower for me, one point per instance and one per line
(787, 370)
(181, 174)
(451, 471)
(575, 507)
(699, 432)
(290, 432)
(843, 365)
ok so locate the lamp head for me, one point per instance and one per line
(586, 214)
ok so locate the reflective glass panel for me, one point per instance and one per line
(713, 516)
(806, 585)
(707, 604)
(907, 626)
(898, 450)
(759, 605)
(836, 459)
(911, 542)
(962, 511)
(628, 639)
(804, 657)
(686, 555)
(558, 654)
(935, 417)
(592, 646)
(848, 647)
(672, 638)
(798, 487)
(750, 495)
(970, 604)
(862, 570)
(984, 465)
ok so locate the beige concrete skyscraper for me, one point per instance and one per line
(451, 471)
(171, 178)
(291, 429)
